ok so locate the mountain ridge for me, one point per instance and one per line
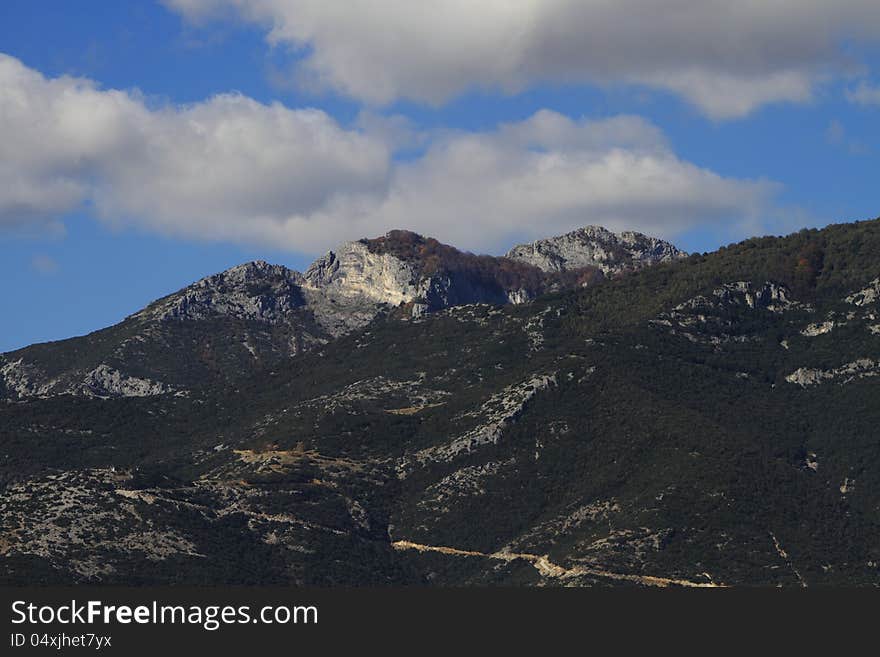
(283, 312)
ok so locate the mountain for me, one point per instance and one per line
(256, 314)
(711, 420)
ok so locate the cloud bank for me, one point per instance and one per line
(550, 174)
(232, 169)
(226, 168)
(727, 58)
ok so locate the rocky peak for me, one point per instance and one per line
(253, 290)
(405, 267)
(594, 246)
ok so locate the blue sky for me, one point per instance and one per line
(150, 144)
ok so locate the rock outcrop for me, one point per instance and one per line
(594, 246)
(252, 291)
(353, 270)
(858, 369)
(26, 380)
(104, 381)
(866, 296)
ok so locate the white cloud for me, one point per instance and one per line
(725, 57)
(549, 174)
(235, 170)
(226, 168)
(864, 94)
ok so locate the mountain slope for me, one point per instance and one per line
(707, 421)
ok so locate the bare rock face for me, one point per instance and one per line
(104, 381)
(21, 379)
(866, 297)
(818, 328)
(858, 369)
(594, 246)
(406, 268)
(26, 380)
(354, 270)
(765, 296)
(770, 296)
(254, 290)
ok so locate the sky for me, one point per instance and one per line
(146, 144)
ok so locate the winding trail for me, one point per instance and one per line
(549, 569)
